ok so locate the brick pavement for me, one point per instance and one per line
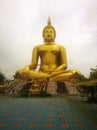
(56, 113)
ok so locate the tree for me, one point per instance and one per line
(88, 86)
(2, 77)
(81, 78)
(93, 73)
(92, 76)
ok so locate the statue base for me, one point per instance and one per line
(65, 87)
(52, 88)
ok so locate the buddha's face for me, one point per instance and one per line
(49, 35)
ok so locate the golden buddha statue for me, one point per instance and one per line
(53, 60)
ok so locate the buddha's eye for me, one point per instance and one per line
(46, 32)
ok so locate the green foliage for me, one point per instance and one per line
(2, 77)
(89, 91)
(88, 86)
(93, 73)
(44, 94)
(24, 94)
(81, 78)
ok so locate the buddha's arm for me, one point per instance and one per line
(61, 67)
(34, 61)
(63, 63)
(59, 70)
(63, 59)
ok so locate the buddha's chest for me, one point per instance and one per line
(48, 49)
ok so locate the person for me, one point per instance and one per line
(53, 60)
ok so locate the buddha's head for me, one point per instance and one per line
(49, 32)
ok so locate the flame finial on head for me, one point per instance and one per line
(49, 21)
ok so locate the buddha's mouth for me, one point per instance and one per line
(48, 36)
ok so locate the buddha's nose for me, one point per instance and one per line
(48, 36)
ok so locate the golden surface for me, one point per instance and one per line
(53, 60)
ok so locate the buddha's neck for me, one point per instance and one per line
(49, 43)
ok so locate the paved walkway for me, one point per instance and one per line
(57, 113)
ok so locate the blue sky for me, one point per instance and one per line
(22, 22)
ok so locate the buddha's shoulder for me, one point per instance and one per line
(59, 45)
(43, 45)
(38, 46)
